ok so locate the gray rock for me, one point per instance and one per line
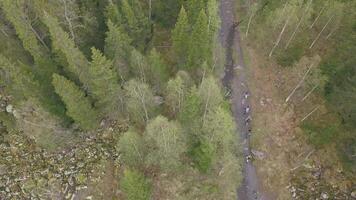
(353, 194)
(324, 195)
(9, 108)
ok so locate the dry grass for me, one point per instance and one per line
(276, 128)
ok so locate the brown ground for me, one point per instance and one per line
(289, 161)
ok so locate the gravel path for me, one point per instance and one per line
(230, 39)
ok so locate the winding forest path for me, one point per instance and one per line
(235, 79)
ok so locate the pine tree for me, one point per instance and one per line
(165, 143)
(190, 115)
(180, 38)
(35, 45)
(199, 50)
(193, 7)
(136, 23)
(103, 85)
(14, 11)
(78, 106)
(118, 48)
(77, 62)
(135, 186)
(113, 14)
(158, 73)
(18, 80)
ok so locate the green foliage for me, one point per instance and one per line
(191, 112)
(103, 85)
(219, 129)
(166, 12)
(77, 62)
(78, 105)
(136, 23)
(320, 135)
(131, 147)
(291, 55)
(193, 7)
(140, 101)
(203, 154)
(18, 80)
(199, 49)
(175, 95)
(118, 48)
(139, 65)
(180, 38)
(158, 73)
(135, 185)
(165, 143)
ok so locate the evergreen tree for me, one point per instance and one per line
(190, 115)
(136, 23)
(77, 62)
(18, 80)
(131, 147)
(14, 11)
(180, 38)
(158, 74)
(35, 45)
(165, 143)
(199, 50)
(118, 48)
(78, 106)
(194, 6)
(135, 186)
(103, 85)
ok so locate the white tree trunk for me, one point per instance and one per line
(317, 37)
(306, 117)
(311, 91)
(298, 25)
(279, 37)
(299, 84)
(316, 19)
(248, 24)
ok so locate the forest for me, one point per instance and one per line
(123, 99)
(128, 89)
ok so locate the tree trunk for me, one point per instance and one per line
(279, 37)
(316, 19)
(248, 24)
(298, 25)
(311, 91)
(316, 108)
(299, 84)
(317, 37)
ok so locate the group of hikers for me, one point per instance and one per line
(246, 112)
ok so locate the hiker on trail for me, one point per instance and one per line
(243, 102)
(248, 118)
(248, 158)
(247, 109)
(246, 95)
(249, 132)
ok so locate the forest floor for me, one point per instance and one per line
(286, 164)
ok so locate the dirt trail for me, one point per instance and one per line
(230, 39)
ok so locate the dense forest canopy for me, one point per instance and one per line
(133, 87)
(73, 69)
